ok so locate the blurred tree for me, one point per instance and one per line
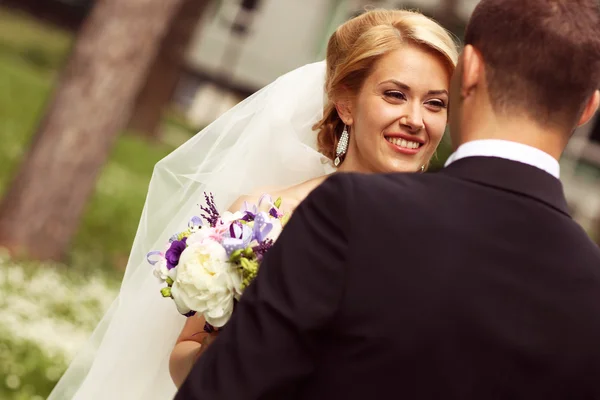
(166, 69)
(447, 15)
(93, 99)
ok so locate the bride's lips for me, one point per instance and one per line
(404, 144)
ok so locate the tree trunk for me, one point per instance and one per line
(165, 70)
(94, 96)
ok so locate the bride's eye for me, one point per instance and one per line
(395, 94)
(436, 105)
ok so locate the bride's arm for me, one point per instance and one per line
(187, 349)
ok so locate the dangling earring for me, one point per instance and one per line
(342, 146)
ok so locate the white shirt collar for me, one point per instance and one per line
(507, 150)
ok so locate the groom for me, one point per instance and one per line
(472, 283)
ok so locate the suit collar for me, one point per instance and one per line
(511, 176)
(508, 150)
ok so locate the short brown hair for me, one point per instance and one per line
(358, 44)
(542, 57)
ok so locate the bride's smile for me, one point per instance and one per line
(400, 143)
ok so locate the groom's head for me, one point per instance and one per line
(532, 60)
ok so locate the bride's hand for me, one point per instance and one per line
(206, 341)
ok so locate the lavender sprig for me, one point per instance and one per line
(212, 214)
(262, 248)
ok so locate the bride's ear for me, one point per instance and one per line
(344, 110)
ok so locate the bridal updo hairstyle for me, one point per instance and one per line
(358, 44)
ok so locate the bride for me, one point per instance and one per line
(384, 109)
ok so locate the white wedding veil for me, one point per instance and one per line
(265, 141)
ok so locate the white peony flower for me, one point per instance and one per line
(206, 282)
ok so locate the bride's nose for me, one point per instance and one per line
(413, 121)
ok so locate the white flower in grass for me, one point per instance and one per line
(206, 282)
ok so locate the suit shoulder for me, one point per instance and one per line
(389, 181)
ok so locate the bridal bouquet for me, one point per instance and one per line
(207, 266)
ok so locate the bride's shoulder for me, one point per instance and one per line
(300, 191)
(290, 196)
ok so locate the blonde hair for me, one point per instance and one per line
(358, 44)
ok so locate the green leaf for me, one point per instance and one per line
(166, 292)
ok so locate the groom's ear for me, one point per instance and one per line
(472, 70)
(590, 108)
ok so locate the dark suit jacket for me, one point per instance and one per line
(471, 283)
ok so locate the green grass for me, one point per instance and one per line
(37, 45)
(23, 92)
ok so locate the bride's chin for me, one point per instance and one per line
(395, 166)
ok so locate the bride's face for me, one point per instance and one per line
(399, 115)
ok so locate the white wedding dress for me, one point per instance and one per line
(265, 141)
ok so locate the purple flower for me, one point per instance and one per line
(249, 216)
(174, 252)
(212, 214)
(262, 248)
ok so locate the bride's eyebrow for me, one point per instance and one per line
(401, 85)
(438, 92)
(404, 86)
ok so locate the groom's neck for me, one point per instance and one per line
(524, 130)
